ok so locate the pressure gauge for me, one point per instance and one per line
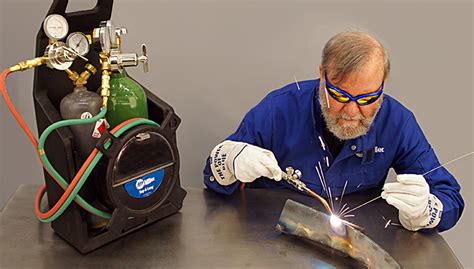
(55, 26)
(78, 42)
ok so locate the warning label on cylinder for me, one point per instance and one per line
(145, 185)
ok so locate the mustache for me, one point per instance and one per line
(345, 116)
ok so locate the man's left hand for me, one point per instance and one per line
(417, 207)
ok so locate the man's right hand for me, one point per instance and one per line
(232, 161)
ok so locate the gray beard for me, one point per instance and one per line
(346, 131)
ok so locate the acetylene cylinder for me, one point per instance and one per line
(127, 99)
(81, 104)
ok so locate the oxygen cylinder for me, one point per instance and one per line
(81, 104)
(127, 99)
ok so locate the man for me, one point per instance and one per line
(345, 126)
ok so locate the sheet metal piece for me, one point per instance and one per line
(303, 221)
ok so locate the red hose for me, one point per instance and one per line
(24, 126)
(29, 133)
(74, 182)
(11, 107)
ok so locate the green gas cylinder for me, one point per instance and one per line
(127, 99)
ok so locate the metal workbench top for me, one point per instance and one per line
(214, 231)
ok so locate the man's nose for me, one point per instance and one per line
(351, 109)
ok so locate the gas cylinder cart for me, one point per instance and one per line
(107, 144)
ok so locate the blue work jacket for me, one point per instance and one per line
(289, 122)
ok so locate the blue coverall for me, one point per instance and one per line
(289, 123)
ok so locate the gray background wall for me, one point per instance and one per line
(213, 60)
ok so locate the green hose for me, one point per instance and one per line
(89, 169)
(53, 171)
(74, 195)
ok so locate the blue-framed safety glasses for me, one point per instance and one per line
(344, 97)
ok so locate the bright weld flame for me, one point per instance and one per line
(337, 225)
(335, 221)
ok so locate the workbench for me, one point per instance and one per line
(215, 231)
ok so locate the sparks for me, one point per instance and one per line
(330, 199)
(342, 195)
(366, 203)
(297, 85)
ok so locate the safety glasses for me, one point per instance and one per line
(344, 97)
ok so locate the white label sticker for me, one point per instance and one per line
(100, 126)
(86, 115)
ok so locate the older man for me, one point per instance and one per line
(345, 126)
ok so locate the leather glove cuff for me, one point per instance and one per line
(429, 219)
(222, 159)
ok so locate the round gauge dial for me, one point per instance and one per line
(78, 42)
(55, 26)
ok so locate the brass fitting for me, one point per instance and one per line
(118, 42)
(105, 79)
(28, 64)
(73, 75)
(85, 75)
(81, 80)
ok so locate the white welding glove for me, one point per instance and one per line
(232, 161)
(417, 207)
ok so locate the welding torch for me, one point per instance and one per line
(293, 177)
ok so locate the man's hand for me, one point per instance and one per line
(232, 161)
(417, 207)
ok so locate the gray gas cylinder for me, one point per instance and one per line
(81, 103)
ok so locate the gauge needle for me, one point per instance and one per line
(76, 53)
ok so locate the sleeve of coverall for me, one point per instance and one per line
(415, 156)
(255, 129)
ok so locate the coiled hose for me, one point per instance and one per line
(70, 190)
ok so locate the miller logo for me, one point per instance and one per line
(142, 183)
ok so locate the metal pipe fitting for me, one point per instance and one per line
(28, 64)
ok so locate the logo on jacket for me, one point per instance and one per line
(379, 150)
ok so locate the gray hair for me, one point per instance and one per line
(348, 52)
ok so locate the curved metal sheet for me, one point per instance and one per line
(303, 221)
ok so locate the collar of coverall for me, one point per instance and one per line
(362, 143)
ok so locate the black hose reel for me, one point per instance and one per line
(141, 169)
